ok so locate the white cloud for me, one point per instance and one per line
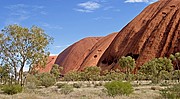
(61, 46)
(83, 10)
(21, 12)
(147, 1)
(88, 6)
(102, 18)
(53, 54)
(46, 25)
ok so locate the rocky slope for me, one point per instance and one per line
(72, 57)
(153, 33)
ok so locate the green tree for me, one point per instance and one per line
(128, 64)
(5, 73)
(56, 70)
(176, 58)
(176, 75)
(21, 47)
(91, 73)
(73, 76)
(154, 68)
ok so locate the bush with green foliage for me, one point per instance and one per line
(128, 64)
(113, 75)
(91, 73)
(171, 92)
(154, 68)
(32, 82)
(66, 89)
(176, 60)
(72, 76)
(12, 89)
(176, 75)
(118, 88)
(46, 79)
(56, 70)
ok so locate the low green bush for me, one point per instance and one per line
(66, 89)
(32, 82)
(46, 79)
(118, 88)
(12, 89)
(171, 92)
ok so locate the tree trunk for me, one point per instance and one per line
(21, 76)
(15, 75)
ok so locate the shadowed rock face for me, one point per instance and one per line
(153, 33)
(72, 57)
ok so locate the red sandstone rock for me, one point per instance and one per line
(153, 33)
(72, 57)
(48, 67)
(98, 49)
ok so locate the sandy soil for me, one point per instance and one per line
(143, 91)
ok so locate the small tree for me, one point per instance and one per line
(92, 73)
(176, 75)
(128, 64)
(46, 79)
(176, 58)
(72, 76)
(20, 46)
(154, 68)
(55, 71)
(5, 73)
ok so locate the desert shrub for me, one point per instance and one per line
(77, 85)
(46, 79)
(56, 69)
(118, 88)
(176, 75)
(91, 73)
(32, 82)
(66, 89)
(171, 92)
(72, 76)
(12, 89)
(127, 64)
(60, 85)
(113, 75)
(154, 68)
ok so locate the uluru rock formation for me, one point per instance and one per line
(72, 57)
(155, 32)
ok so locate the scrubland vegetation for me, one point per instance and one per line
(155, 79)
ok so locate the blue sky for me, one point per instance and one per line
(68, 21)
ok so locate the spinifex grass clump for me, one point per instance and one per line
(12, 89)
(118, 88)
(171, 92)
